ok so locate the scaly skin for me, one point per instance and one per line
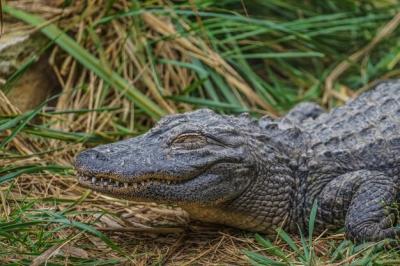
(265, 174)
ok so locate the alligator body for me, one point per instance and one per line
(263, 174)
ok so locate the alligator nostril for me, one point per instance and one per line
(93, 155)
(99, 155)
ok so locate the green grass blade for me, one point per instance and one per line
(66, 136)
(81, 111)
(16, 226)
(340, 250)
(207, 103)
(225, 90)
(14, 122)
(271, 248)
(285, 237)
(32, 169)
(311, 221)
(258, 259)
(207, 83)
(89, 229)
(277, 55)
(304, 243)
(23, 122)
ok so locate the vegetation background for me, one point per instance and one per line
(121, 65)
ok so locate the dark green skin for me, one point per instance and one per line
(265, 174)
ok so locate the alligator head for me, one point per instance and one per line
(201, 161)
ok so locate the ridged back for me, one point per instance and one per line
(363, 134)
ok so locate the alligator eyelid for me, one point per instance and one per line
(208, 138)
(183, 136)
(216, 141)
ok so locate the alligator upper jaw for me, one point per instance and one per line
(123, 185)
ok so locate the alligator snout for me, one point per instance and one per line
(93, 158)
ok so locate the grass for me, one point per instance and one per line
(123, 64)
(320, 251)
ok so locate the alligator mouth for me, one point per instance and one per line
(111, 184)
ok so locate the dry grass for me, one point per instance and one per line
(147, 233)
(164, 56)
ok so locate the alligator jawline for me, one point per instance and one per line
(103, 183)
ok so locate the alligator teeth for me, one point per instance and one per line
(118, 184)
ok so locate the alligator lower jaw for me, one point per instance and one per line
(110, 184)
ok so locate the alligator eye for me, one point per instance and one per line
(189, 141)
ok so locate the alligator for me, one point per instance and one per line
(266, 174)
